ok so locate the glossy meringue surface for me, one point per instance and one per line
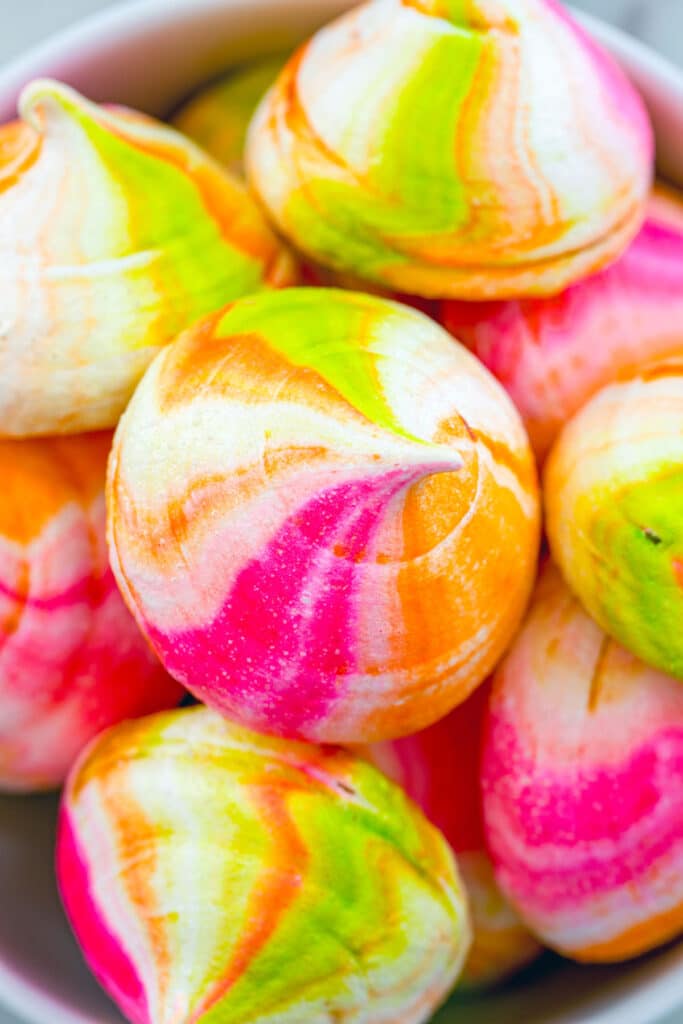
(471, 150)
(336, 497)
(115, 233)
(215, 875)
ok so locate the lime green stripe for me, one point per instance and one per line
(374, 881)
(331, 332)
(195, 267)
(422, 176)
(413, 188)
(357, 884)
(457, 11)
(634, 538)
(167, 213)
(236, 97)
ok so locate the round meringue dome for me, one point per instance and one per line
(218, 117)
(614, 502)
(479, 151)
(214, 874)
(316, 501)
(115, 234)
(73, 660)
(553, 354)
(439, 768)
(583, 789)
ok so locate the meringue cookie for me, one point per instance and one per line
(324, 515)
(450, 150)
(614, 503)
(218, 117)
(115, 233)
(552, 355)
(583, 787)
(73, 660)
(439, 768)
(213, 874)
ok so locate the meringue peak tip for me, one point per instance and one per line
(442, 460)
(427, 456)
(47, 95)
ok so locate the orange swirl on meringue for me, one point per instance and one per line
(72, 660)
(115, 233)
(334, 533)
(468, 150)
(279, 882)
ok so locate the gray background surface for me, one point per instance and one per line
(25, 22)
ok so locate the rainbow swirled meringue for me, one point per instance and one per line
(336, 496)
(218, 117)
(553, 354)
(439, 768)
(73, 660)
(468, 149)
(212, 874)
(115, 233)
(614, 502)
(583, 785)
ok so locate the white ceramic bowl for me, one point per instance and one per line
(151, 54)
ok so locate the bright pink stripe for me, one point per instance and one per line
(108, 961)
(559, 840)
(662, 242)
(283, 643)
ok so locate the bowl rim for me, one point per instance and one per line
(94, 33)
(96, 30)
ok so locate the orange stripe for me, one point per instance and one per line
(40, 477)
(20, 147)
(639, 939)
(137, 842)
(661, 369)
(272, 896)
(10, 624)
(225, 199)
(446, 605)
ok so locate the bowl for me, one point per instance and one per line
(152, 54)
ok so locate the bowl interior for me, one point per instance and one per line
(151, 55)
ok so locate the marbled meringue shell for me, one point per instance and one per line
(73, 661)
(324, 515)
(212, 874)
(553, 354)
(218, 117)
(479, 151)
(583, 786)
(614, 503)
(115, 233)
